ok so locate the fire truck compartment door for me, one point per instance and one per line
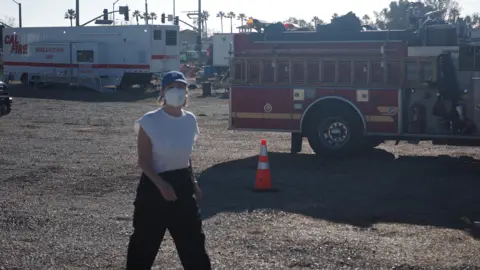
(85, 57)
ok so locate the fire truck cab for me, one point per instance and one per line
(348, 88)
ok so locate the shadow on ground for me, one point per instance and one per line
(80, 94)
(434, 191)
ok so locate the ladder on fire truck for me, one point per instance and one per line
(384, 64)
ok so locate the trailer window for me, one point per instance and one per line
(157, 35)
(171, 38)
(268, 71)
(85, 56)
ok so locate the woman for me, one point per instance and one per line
(168, 192)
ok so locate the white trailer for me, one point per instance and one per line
(93, 56)
(222, 45)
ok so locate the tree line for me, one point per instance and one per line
(392, 17)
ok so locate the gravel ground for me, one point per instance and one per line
(69, 174)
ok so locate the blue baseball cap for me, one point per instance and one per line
(173, 76)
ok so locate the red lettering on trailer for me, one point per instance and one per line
(11, 39)
(16, 46)
(50, 50)
(164, 57)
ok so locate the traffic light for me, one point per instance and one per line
(175, 21)
(105, 14)
(125, 12)
(163, 18)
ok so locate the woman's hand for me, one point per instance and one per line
(167, 192)
(198, 191)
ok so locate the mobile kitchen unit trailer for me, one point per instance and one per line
(93, 56)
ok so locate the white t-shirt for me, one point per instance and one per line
(172, 138)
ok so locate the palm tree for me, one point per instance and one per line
(205, 16)
(366, 19)
(221, 15)
(153, 16)
(316, 21)
(71, 14)
(231, 16)
(302, 23)
(146, 17)
(242, 17)
(137, 15)
(475, 18)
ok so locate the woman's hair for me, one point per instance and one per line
(161, 98)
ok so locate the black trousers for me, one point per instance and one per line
(153, 215)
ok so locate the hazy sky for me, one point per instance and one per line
(51, 12)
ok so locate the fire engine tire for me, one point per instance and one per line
(334, 130)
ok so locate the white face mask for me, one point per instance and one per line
(175, 97)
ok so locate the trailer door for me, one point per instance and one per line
(85, 60)
(165, 50)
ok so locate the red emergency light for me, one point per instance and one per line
(290, 26)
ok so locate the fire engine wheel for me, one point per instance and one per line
(336, 132)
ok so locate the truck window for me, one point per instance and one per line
(253, 71)
(240, 71)
(298, 71)
(426, 71)
(394, 71)
(171, 38)
(411, 71)
(328, 71)
(268, 71)
(283, 71)
(376, 72)
(85, 56)
(360, 72)
(345, 72)
(157, 35)
(313, 72)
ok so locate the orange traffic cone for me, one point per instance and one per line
(263, 180)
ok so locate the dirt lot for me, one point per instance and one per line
(69, 174)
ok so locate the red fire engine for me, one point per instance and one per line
(348, 87)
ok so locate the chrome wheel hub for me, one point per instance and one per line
(334, 134)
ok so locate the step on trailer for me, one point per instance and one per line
(348, 90)
(95, 57)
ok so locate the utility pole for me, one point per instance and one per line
(19, 13)
(173, 8)
(114, 12)
(146, 12)
(77, 13)
(199, 37)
